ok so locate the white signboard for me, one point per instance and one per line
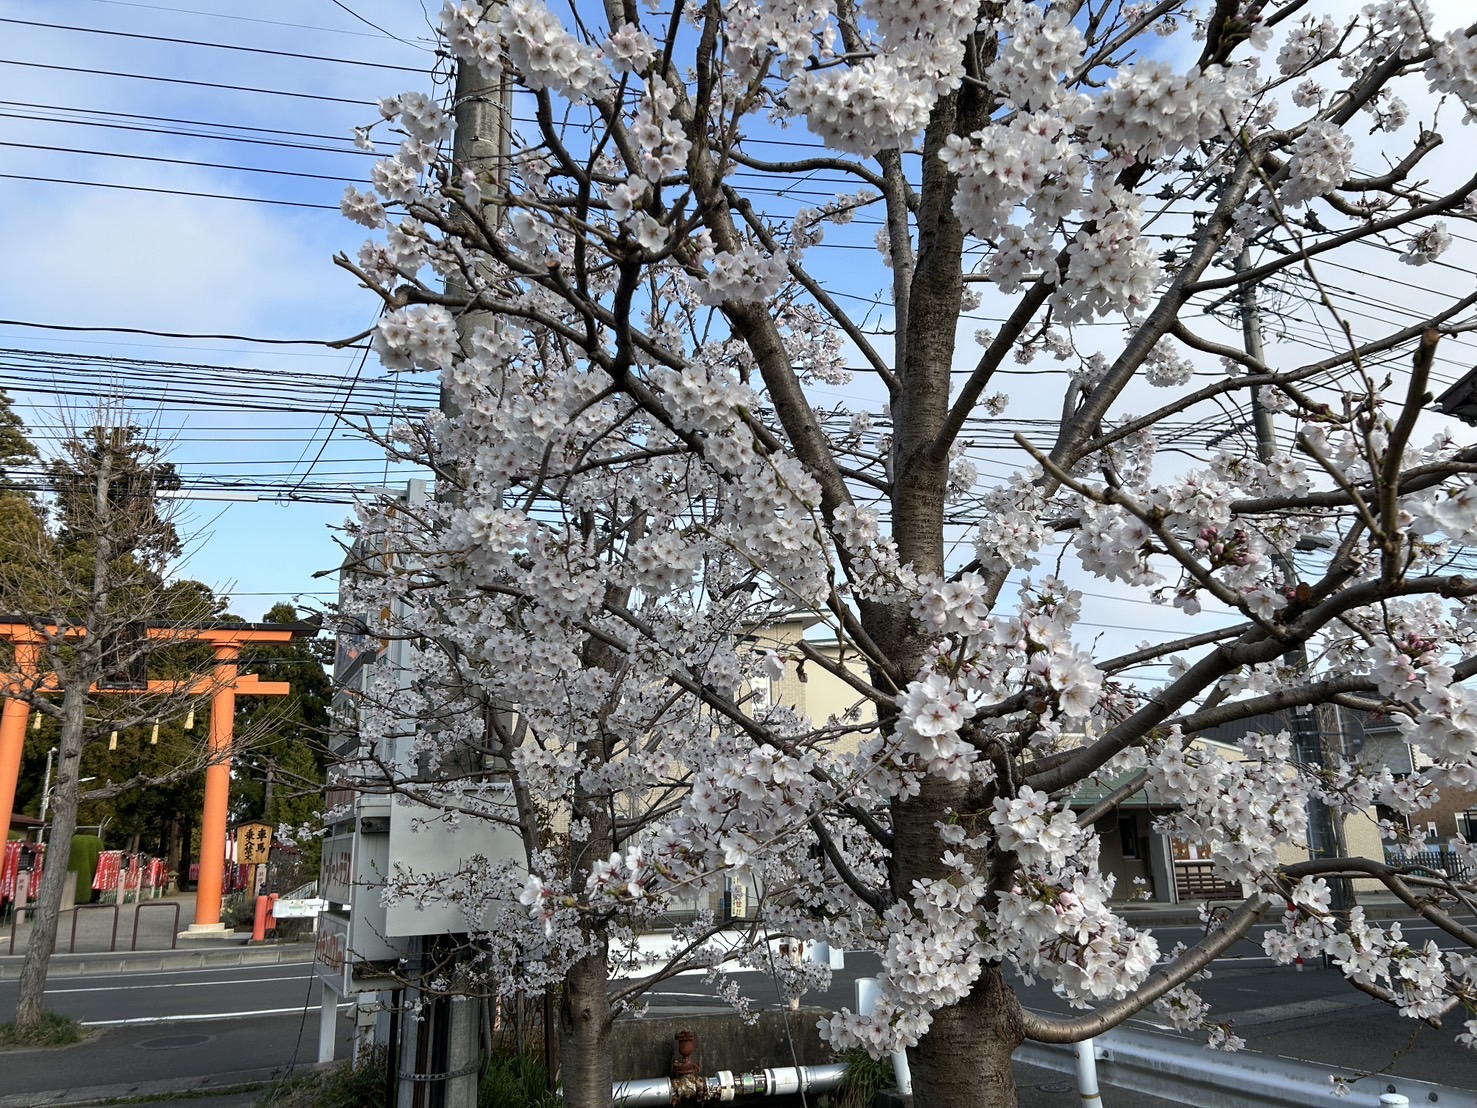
(424, 845)
(298, 909)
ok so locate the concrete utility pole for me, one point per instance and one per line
(1325, 833)
(441, 1042)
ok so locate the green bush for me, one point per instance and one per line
(83, 862)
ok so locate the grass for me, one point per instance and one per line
(511, 1082)
(55, 1030)
(514, 1082)
(345, 1086)
(864, 1077)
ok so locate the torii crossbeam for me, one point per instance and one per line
(224, 684)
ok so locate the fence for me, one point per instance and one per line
(1440, 858)
(1198, 881)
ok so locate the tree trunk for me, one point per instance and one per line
(584, 1032)
(30, 1005)
(186, 852)
(965, 1059)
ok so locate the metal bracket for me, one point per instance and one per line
(465, 1071)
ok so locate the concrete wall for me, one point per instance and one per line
(644, 1047)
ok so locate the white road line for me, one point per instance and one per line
(139, 1020)
(182, 984)
(133, 974)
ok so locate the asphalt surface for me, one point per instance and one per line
(216, 1023)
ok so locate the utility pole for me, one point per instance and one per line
(441, 1041)
(1325, 832)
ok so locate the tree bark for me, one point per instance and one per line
(584, 1030)
(76, 680)
(965, 1059)
(30, 1004)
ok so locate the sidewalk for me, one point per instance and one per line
(145, 940)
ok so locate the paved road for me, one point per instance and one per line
(202, 1028)
(180, 996)
(216, 1024)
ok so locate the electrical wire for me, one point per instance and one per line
(184, 81)
(348, 147)
(161, 160)
(32, 324)
(357, 63)
(250, 19)
(170, 192)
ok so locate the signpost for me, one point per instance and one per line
(253, 848)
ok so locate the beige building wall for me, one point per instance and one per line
(811, 689)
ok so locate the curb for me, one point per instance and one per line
(222, 1083)
(155, 961)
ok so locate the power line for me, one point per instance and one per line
(183, 81)
(251, 19)
(177, 334)
(368, 23)
(182, 161)
(169, 192)
(349, 149)
(211, 45)
(248, 140)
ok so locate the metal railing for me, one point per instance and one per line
(173, 930)
(1437, 858)
(77, 910)
(1186, 1072)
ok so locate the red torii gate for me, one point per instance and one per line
(224, 685)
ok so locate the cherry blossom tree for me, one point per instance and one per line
(643, 460)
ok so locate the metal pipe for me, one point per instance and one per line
(650, 1090)
(726, 1085)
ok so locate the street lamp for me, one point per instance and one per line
(46, 794)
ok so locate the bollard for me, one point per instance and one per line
(867, 994)
(264, 918)
(1394, 1100)
(1087, 1086)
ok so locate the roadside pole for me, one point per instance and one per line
(1325, 833)
(481, 146)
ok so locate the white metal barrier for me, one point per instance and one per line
(1188, 1073)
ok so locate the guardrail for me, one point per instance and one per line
(1188, 1073)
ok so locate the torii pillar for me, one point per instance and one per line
(217, 794)
(224, 685)
(13, 720)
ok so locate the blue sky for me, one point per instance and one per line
(80, 255)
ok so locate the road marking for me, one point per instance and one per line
(139, 1020)
(131, 974)
(182, 984)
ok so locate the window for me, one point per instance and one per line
(1128, 832)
